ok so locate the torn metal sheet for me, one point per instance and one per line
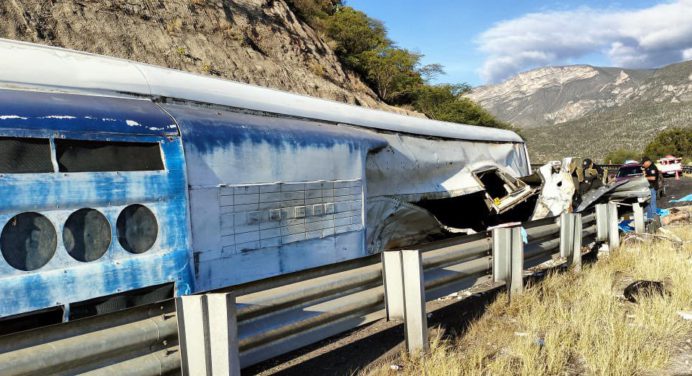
(632, 189)
(416, 168)
(557, 190)
(393, 223)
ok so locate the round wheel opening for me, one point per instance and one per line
(87, 235)
(28, 241)
(137, 229)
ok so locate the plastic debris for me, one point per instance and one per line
(643, 288)
(524, 236)
(685, 315)
(626, 226)
(687, 198)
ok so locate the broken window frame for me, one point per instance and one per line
(517, 190)
(55, 167)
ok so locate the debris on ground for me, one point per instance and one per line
(641, 288)
(681, 214)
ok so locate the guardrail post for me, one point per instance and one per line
(570, 239)
(393, 285)
(574, 260)
(602, 222)
(508, 259)
(208, 334)
(613, 229)
(414, 301)
(638, 218)
(567, 234)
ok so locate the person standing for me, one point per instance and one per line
(651, 174)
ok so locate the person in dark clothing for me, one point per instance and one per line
(651, 174)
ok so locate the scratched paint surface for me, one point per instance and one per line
(286, 161)
(64, 280)
(82, 113)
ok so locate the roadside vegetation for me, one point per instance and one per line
(675, 141)
(395, 74)
(579, 323)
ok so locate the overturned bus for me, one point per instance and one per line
(123, 183)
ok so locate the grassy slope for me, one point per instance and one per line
(585, 325)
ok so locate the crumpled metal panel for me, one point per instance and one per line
(414, 168)
(26, 64)
(556, 193)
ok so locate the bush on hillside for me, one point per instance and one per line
(676, 141)
(619, 156)
(447, 103)
(395, 74)
(314, 12)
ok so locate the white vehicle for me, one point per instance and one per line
(670, 165)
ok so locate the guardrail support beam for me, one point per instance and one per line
(570, 239)
(405, 295)
(638, 218)
(393, 285)
(508, 259)
(613, 229)
(567, 234)
(602, 222)
(575, 258)
(208, 334)
(414, 301)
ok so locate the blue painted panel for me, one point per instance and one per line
(64, 280)
(82, 113)
(207, 129)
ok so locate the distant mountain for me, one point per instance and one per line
(586, 111)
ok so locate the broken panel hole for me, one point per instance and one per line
(467, 211)
(86, 235)
(28, 241)
(104, 156)
(137, 229)
(494, 185)
(25, 155)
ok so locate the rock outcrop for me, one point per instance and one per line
(260, 42)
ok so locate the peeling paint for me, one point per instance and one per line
(60, 117)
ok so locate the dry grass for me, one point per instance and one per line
(574, 324)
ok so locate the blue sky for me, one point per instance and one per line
(488, 41)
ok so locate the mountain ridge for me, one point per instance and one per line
(555, 95)
(587, 111)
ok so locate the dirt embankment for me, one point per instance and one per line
(254, 41)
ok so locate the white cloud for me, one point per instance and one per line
(642, 38)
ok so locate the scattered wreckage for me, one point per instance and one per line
(570, 185)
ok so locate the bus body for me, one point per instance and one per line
(123, 183)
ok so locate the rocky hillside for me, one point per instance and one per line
(588, 111)
(255, 41)
(555, 95)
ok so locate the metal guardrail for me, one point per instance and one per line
(274, 316)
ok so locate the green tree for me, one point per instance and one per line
(392, 72)
(354, 34)
(314, 12)
(619, 156)
(675, 141)
(447, 103)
